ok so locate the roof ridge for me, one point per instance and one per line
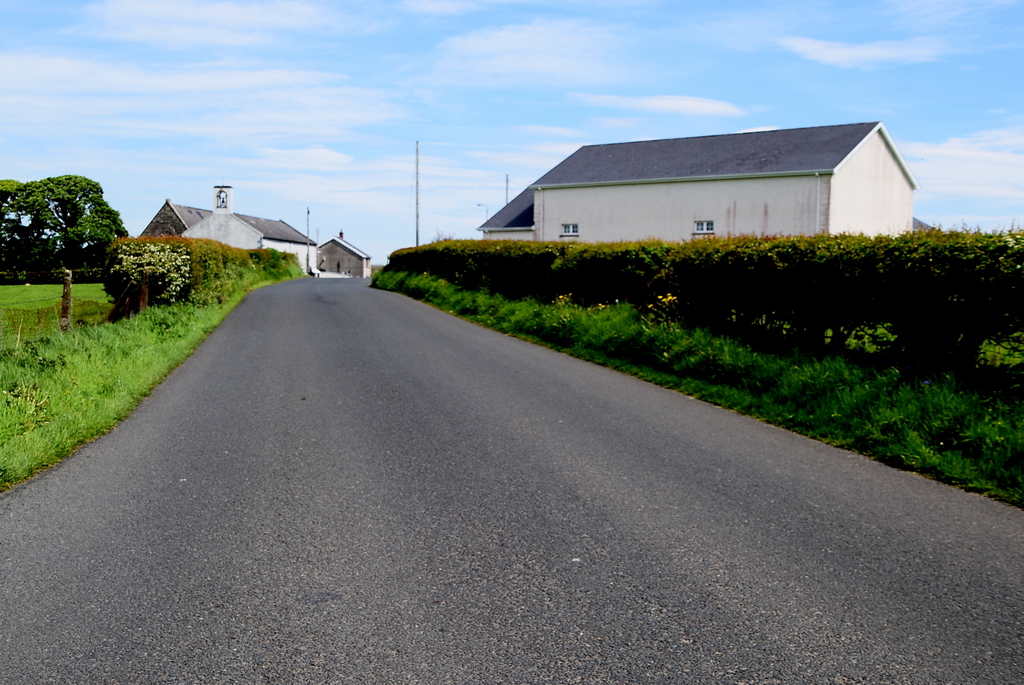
(737, 133)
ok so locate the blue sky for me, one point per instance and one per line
(305, 103)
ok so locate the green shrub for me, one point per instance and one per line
(933, 299)
(175, 269)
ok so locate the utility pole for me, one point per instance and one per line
(506, 188)
(308, 270)
(417, 193)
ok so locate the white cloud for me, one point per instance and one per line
(750, 29)
(51, 74)
(935, 13)
(439, 6)
(187, 23)
(558, 51)
(211, 101)
(316, 158)
(670, 104)
(553, 131)
(616, 122)
(865, 55)
(539, 158)
(453, 7)
(989, 164)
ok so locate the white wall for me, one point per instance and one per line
(227, 229)
(792, 205)
(509, 234)
(871, 194)
(232, 231)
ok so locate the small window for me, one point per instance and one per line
(704, 227)
(570, 229)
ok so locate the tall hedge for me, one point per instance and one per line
(927, 298)
(184, 270)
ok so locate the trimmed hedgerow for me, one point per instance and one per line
(511, 268)
(934, 299)
(175, 269)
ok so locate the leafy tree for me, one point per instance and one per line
(56, 222)
(9, 221)
(8, 191)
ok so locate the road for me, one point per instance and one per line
(346, 486)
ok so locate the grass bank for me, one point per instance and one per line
(58, 391)
(928, 424)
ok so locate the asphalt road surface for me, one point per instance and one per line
(346, 486)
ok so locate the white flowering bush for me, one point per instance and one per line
(168, 264)
(193, 271)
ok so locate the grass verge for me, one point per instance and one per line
(58, 391)
(927, 424)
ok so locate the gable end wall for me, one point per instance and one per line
(166, 222)
(332, 253)
(227, 229)
(871, 194)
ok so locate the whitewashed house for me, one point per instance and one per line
(827, 179)
(237, 230)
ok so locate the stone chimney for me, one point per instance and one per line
(341, 234)
(222, 200)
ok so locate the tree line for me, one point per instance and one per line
(57, 222)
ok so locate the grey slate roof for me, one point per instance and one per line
(276, 230)
(795, 150)
(191, 215)
(273, 229)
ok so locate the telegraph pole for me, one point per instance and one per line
(417, 193)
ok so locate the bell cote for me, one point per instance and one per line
(222, 200)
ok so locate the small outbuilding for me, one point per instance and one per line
(849, 178)
(338, 258)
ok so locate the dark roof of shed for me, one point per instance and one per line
(795, 150)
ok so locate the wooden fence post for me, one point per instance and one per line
(65, 303)
(144, 295)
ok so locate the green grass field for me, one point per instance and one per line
(28, 311)
(39, 296)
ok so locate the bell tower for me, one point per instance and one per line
(222, 200)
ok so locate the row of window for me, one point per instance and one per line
(698, 227)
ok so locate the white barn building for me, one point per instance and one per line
(827, 179)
